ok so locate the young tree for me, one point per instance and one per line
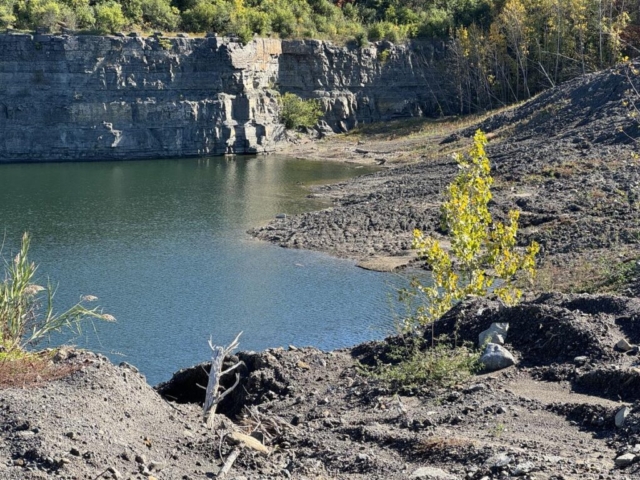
(482, 251)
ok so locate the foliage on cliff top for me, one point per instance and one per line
(500, 51)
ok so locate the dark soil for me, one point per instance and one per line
(549, 417)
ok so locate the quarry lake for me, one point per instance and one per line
(163, 244)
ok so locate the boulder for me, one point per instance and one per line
(496, 333)
(496, 357)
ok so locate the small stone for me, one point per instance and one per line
(115, 473)
(476, 388)
(625, 460)
(362, 457)
(431, 473)
(623, 345)
(496, 333)
(75, 452)
(140, 459)
(129, 367)
(523, 468)
(496, 357)
(303, 365)
(621, 415)
(293, 348)
(157, 466)
(581, 360)
(18, 462)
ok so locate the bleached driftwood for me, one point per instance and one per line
(212, 397)
(229, 462)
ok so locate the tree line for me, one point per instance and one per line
(499, 51)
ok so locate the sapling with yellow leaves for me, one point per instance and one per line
(483, 256)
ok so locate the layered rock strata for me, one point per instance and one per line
(97, 98)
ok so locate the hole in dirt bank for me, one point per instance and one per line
(260, 380)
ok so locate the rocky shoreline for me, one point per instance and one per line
(566, 160)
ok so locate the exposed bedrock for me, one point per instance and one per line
(95, 98)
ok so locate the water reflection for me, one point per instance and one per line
(162, 243)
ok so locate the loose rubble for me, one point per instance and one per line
(302, 413)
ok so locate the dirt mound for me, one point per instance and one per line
(591, 109)
(320, 417)
(552, 328)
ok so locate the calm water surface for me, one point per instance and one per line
(163, 245)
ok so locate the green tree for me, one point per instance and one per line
(482, 251)
(109, 17)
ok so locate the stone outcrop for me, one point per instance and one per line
(96, 98)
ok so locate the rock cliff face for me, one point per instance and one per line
(97, 98)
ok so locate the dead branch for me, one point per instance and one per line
(212, 396)
(229, 462)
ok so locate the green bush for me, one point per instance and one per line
(414, 363)
(7, 18)
(109, 17)
(297, 113)
(361, 39)
(160, 14)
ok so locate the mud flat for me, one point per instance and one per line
(567, 160)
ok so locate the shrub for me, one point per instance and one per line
(482, 251)
(26, 309)
(208, 17)
(7, 18)
(109, 17)
(160, 14)
(296, 112)
(361, 38)
(414, 364)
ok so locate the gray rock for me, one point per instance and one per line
(623, 345)
(431, 473)
(496, 357)
(621, 416)
(498, 461)
(496, 333)
(625, 460)
(523, 468)
(157, 466)
(204, 96)
(581, 360)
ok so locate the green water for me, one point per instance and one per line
(163, 244)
